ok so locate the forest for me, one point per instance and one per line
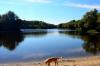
(11, 22)
(90, 22)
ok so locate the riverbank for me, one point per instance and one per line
(85, 61)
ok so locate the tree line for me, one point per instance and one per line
(11, 22)
(90, 22)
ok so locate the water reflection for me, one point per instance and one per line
(91, 41)
(73, 34)
(37, 45)
(10, 40)
(36, 33)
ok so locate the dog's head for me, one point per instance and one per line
(60, 59)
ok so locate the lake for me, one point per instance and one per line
(37, 45)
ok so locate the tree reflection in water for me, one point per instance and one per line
(10, 40)
(91, 41)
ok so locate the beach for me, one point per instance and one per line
(83, 61)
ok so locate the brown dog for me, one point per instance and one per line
(53, 59)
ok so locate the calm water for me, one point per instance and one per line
(36, 45)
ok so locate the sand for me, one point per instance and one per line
(85, 61)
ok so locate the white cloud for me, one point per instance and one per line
(78, 5)
(23, 2)
(39, 1)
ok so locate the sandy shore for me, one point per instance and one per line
(85, 61)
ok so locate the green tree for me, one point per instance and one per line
(90, 20)
(9, 22)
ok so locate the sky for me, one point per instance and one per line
(50, 11)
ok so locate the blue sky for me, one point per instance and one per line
(51, 11)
